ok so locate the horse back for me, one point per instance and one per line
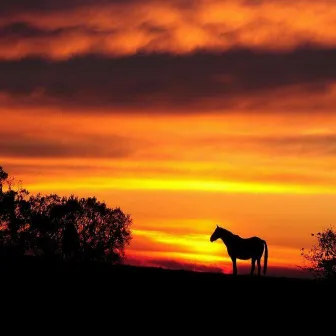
(246, 248)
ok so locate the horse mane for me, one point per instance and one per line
(228, 233)
(225, 230)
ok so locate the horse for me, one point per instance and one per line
(242, 248)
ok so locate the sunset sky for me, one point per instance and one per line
(186, 114)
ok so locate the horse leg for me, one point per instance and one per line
(234, 266)
(259, 266)
(253, 266)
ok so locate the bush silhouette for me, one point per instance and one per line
(322, 255)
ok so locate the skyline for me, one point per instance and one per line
(184, 114)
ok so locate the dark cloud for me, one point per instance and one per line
(20, 30)
(168, 81)
(287, 145)
(24, 146)
(305, 145)
(14, 6)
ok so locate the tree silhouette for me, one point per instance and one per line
(14, 212)
(50, 225)
(45, 226)
(103, 232)
(322, 255)
(3, 178)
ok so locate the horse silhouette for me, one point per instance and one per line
(242, 248)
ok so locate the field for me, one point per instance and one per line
(176, 296)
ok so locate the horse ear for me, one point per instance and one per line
(217, 226)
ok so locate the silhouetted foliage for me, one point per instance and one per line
(3, 178)
(46, 225)
(103, 231)
(50, 225)
(322, 255)
(14, 213)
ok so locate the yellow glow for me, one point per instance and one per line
(181, 185)
(181, 256)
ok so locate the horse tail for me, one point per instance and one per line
(265, 257)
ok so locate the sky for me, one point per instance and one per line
(186, 114)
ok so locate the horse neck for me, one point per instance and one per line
(226, 236)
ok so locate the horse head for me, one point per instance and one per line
(215, 235)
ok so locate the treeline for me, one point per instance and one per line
(54, 226)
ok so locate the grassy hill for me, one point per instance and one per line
(141, 290)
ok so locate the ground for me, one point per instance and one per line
(179, 298)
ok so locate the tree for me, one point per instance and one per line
(50, 225)
(3, 178)
(322, 255)
(45, 232)
(14, 210)
(104, 232)
(75, 226)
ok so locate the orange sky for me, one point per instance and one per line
(178, 26)
(184, 115)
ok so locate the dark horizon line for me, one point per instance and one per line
(280, 272)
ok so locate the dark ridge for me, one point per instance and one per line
(80, 294)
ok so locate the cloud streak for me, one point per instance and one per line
(63, 146)
(127, 27)
(185, 56)
(235, 80)
(218, 154)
